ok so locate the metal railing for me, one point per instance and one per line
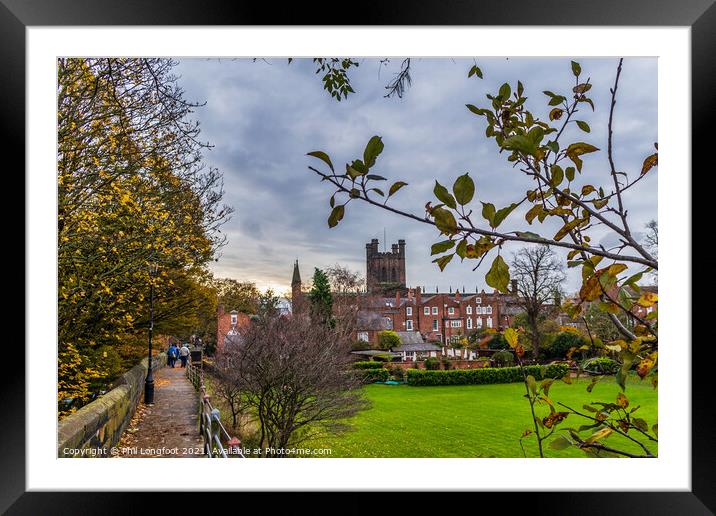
(218, 443)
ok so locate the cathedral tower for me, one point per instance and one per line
(385, 271)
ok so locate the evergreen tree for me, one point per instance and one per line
(321, 298)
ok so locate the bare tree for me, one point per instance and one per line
(651, 242)
(344, 281)
(294, 375)
(539, 275)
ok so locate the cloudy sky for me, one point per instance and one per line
(264, 116)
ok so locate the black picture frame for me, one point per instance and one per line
(700, 15)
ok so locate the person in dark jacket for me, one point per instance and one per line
(172, 354)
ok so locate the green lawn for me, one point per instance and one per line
(472, 420)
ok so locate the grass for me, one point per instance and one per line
(474, 420)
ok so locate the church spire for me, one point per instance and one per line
(296, 274)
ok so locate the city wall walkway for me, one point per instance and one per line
(169, 427)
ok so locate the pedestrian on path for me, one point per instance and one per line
(184, 355)
(172, 354)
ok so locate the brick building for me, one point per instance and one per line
(229, 325)
(388, 304)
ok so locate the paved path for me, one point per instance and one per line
(169, 427)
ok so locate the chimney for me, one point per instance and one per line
(418, 293)
(397, 298)
(514, 286)
(410, 294)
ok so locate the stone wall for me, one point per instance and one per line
(96, 427)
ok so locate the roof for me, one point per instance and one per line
(424, 346)
(373, 352)
(296, 274)
(410, 337)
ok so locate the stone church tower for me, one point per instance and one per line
(296, 293)
(385, 271)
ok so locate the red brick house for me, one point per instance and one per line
(229, 323)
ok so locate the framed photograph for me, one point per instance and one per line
(415, 250)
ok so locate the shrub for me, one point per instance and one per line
(601, 365)
(368, 364)
(388, 339)
(562, 344)
(498, 342)
(504, 358)
(397, 373)
(383, 357)
(432, 363)
(379, 374)
(486, 375)
(446, 363)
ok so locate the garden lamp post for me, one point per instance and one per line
(149, 382)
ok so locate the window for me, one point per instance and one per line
(363, 336)
(478, 310)
(456, 323)
(435, 325)
(469, 310)
(388, 322)
(234, 319)
(489, 309)
(478, 300)
(489, 322)
(451, 310)
(478, 321)
(409, 325)
(469, 323)
(426, 310)
(435, 310)
(408, 310)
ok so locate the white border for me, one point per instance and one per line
(672, 470)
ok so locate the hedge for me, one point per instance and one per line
(485, 375)
(601, 365)
(368, 364)
(379, 374)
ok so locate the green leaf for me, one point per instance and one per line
(378, 191)
(488, 212)
(323, 157)
(395, 187)
(375, 177)
(557, 100)
(557, 175)
(336, 215)
(445, 221)
(584, 126)
(505, 91)
(520, 143)
(464, 189)
(475, 71)
(444, 196)
(443, 261)
(475, 109)
(461, 249)
(576, 69)
(499, 275)
(560, 443)
(502, 214)
(441, 247)
(569, 172)
(372, 151)
(532, 384)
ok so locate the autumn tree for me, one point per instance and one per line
(539, 276)
(133, 192)
(241, 296)
(533, 138)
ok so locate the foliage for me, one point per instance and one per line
(367, 364)
(432, 364)
(564, 342)
(321, 298)
(377, 374)
(600, 365)
(237, 295)
(504, 358)
(132, 192)
(383, 357)
(484, 375)
(388, 339)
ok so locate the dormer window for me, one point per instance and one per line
(234, 318)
